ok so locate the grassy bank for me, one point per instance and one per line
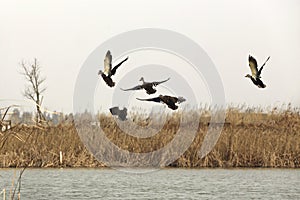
(251, 139)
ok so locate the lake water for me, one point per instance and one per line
(159, 184)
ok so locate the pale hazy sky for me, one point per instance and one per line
(62, 34)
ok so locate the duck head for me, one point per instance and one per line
(181, 99)
(248, 76)
(100, 72)
(142, 79)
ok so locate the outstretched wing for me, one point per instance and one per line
(155, 99)
(113, 71)
(159, 82)
(253, 66)
(114, 110)
(259, 72)
(122, 114)
(107, 63)
(138, 87)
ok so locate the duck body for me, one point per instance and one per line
(108, 80)
(255, 73)
(147, 86)
(168, 100)
(258, 82)
(108, 70)
(122, 114)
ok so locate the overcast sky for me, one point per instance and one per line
(61, 34)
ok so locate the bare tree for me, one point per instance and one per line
(35, 87)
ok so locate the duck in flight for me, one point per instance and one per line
(148, 86)
(122, 114)
(255, 77)
(108, 71)
(168, 100)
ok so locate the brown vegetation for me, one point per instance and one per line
(248, 139)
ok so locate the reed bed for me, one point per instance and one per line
(248, 139)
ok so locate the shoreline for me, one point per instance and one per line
(154, 169)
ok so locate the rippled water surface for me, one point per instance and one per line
(159, 184)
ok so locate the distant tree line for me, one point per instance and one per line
(26, 117)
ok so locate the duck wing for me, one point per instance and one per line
(259, 71)
(114, 110)
(107, 63)
(113, 71)
(253, 66)
(155, 99)
(159, 82)
(122, 114)
(138, 87)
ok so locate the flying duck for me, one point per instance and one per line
(169, 100)
(148, 86)
(108, 72)
(255, 77)
(120, 113)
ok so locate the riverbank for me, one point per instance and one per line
(247, 140)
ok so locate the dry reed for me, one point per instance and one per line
(248, 139)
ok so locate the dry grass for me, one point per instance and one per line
(248, 139)
(42, 146)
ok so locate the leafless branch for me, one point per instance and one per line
(35, 87)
